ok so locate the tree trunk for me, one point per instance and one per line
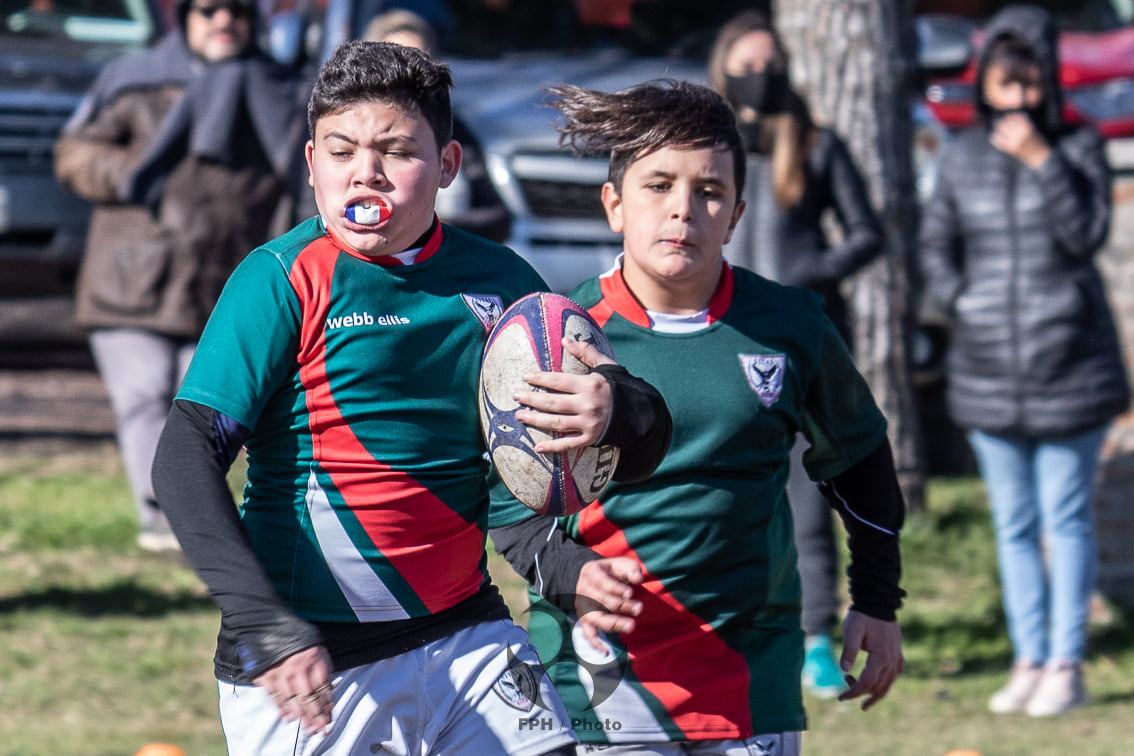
(854, 61)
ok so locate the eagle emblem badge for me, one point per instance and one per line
(765, 374)
(487, 307)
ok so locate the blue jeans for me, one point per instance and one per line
(1041, 492)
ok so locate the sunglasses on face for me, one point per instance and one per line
(237, 10)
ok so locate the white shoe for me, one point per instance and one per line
(1022, 684)
(157, 542)
(1060, 690)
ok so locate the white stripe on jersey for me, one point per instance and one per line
(369, 598)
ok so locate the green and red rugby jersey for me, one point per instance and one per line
(718, 648)
(366, 498)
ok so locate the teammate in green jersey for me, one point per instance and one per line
(668, 613)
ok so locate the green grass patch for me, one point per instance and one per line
(104, 648)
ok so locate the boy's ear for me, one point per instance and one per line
(612, 202)
(308, 151)
(736, 213)
(450, 162)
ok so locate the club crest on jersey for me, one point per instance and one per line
(765, 374)
(517, 686)
(487, 307)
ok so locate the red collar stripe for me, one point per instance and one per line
(722, 297)
(616, 297)
(390, 261)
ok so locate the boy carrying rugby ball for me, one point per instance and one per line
(357, 615)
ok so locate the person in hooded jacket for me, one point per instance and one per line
(1020, 206)
(187, 152)
(797, 173)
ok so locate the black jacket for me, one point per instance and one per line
(789, 245)
(1007, 252)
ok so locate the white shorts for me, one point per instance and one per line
(479, 691)
(774, 744)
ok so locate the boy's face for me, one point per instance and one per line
(677, 209)
(377, 152)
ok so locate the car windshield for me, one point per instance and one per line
(1070, 15)
(495, 28)
(111, 21)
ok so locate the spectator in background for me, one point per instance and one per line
(471, 201)
(797, 172)
(185, 152)
(1021, 204)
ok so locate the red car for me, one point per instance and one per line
(1096, 47)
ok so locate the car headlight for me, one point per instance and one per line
(1105, 102)
(946, 92)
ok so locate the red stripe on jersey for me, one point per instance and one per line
(434, 242)
(424, 540)
(722, 297)
(677, 657)
(601, 312)
(617, 297)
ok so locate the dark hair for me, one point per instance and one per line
(643, 119)
(1016, 56)
(359, 72)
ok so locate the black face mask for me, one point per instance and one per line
(764, 91)
(1035, 115)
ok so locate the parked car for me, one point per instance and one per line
(50, 53)
(502, 61)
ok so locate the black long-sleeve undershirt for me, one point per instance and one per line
(258, 629)
(866, 496)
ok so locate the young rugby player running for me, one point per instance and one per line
(357, 615)
(687, 638)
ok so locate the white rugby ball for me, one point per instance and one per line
(528, 338)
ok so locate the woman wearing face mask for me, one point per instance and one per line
(797, 173)
(1021, 204)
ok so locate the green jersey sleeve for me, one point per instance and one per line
(249, 344)
(841, 419)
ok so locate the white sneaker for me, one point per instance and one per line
(1060, 690)
(1022, 684)
(157, 542)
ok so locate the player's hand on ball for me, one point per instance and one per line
(577, 407)
(882, 641)
(604, 598)
(300, 686)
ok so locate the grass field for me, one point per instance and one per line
(104, 648)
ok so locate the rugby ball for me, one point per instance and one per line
(529, 338)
